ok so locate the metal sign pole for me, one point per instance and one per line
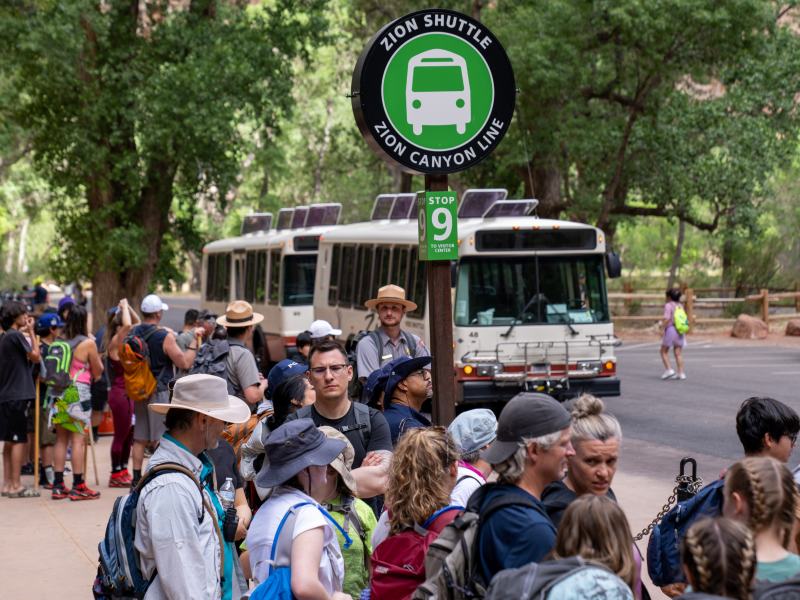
(440, 308)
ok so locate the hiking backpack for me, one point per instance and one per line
(680, 320)
(356, 387)
(784, 590)
(663, 548)
(212, 359)
(57, 364)
(398, 563)
(134, 355)
(278, 584)
(119, 576)
(453, 564)
(535, 581)
(363, 417)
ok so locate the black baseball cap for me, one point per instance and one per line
(527, 415)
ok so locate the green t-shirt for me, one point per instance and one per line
(779, 570)
(356, 575)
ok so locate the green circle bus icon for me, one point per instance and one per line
(433, 92)
(437, 91)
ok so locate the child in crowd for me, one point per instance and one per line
(671, 338)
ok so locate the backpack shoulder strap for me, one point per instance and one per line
(151, 332)
(411, 342)
(376, 338)
(496, 504)
(363, 414)
(468, 476)
(171, 467)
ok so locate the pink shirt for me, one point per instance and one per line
(75, 367)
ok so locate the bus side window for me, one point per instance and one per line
(400, 268)
(420, 285)
(211, 268)
(250, 277)
(349, 267)
(383, 257)
(224, 277)
(333, 284)
(261, 277)
(365, 268)
(274, 276)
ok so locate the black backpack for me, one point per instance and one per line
(57, 363)
(212, 359)
(784, 590)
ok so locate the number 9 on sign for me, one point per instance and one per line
(442, 221)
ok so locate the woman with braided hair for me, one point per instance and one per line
(719, 560)
(760, 492)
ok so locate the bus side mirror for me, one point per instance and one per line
(613, 265)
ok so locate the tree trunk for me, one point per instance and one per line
(676, 258)
(546, 182)
(22, 257)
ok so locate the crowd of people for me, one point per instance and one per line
(327, 480)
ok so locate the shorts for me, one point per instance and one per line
(149, 426)
(99, 395)
(14, 420)
(673, 339)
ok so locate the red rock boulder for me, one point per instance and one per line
(749, 328)
(793, 327)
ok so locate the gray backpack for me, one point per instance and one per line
(536, 581)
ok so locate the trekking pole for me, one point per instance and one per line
(36, 411)
(94, 457)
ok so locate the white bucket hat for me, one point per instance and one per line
(207, 395)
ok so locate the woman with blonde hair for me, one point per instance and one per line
(421, 479)
(596, 529)
(719, 560)
(760, 492)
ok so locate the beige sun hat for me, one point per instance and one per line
(240, 314)
(207, 395)
(390, 294)
(344, 462)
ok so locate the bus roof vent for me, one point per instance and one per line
(256, 223)
(511, 208)
(323, 214)
(299, 217)
(284, 218)
(475, 203)
(405, 206)
(382, 207)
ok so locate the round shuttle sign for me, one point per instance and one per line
(433, 92)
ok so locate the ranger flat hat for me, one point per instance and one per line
(390, 294)
(239, 314)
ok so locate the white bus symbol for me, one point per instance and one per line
(437, 91)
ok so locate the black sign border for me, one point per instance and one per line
(367, 100)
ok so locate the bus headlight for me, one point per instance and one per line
(593, 366)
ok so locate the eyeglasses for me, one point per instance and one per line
(424, 373)
(335, 370)
(792, 437)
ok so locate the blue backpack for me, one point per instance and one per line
(118, 574)
(278, 585)
(663, 549)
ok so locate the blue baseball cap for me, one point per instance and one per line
(65, 301)
(376, 382)
(281, 372)
(403, 367)
(48, 320)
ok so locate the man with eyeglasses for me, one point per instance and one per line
(408, 386)
(330, 374)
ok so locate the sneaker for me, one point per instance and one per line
(120, 479)
(668, 374)
(82, 492)
(681, 376)
(59, 491)
(27, 469)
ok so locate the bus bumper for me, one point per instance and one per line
(484, 393)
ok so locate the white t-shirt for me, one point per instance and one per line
(467, 482)
(265, 524)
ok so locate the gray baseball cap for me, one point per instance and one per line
(526, 415)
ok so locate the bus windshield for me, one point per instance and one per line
(504, 290)
(438, 79)
(298, 279)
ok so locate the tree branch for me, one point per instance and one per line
(663, 211)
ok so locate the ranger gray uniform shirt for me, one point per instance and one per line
(370, 359)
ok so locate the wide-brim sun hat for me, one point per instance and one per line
(343, 463)
(207, 395)
(292, 447)
(390, 294)
(239, 314)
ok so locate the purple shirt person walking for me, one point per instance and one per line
(671, 338)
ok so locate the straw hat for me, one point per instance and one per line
(240, 314)
(207, 395)
(391, 294)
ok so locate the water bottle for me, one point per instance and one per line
(227, 496)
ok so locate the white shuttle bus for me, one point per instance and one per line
(529, 295)
(274, 270)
